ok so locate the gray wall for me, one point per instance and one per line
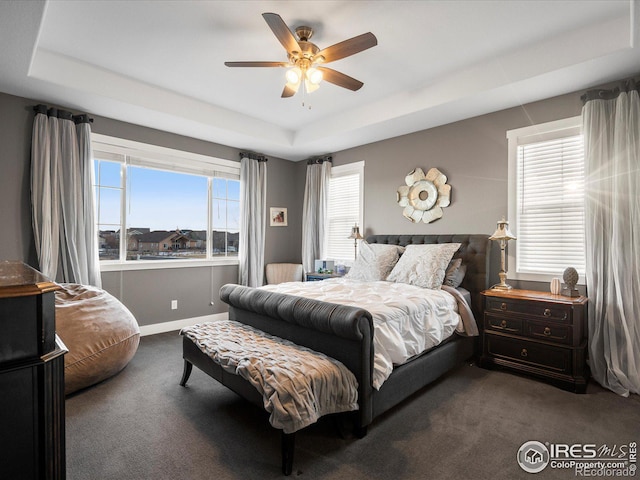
(473, 155)
(16, 121)
(147, 293)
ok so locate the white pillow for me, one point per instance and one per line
(423, 265)
(374, 261)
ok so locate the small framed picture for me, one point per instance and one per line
(278, 216)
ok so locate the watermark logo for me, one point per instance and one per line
(533, 457)
(583, 459)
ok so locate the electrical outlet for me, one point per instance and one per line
(174, 304)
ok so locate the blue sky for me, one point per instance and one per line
(163, 200)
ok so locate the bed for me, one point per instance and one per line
(346, 333)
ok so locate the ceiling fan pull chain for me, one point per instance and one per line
(304, 92)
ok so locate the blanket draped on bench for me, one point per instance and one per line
(298, 385)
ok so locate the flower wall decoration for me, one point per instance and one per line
(424, 196)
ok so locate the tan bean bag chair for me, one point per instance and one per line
(102, 335)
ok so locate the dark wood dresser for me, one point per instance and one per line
(32, 420)
(536, 333)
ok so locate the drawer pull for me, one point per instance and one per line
(524, 353)
(547, 312)
(503, 306)
(503, 324)
(547, 331)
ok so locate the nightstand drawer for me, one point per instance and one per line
(503, 324)
(550, 332)
(538, 310)
(535, 354)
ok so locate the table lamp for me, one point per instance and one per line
(503, 235)
(355, 235)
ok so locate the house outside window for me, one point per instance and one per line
(546, 200)
(173, 205)
(344, 210)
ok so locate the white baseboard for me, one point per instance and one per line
(178, 324)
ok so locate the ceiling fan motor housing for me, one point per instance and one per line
(304, 33)
(308, 52)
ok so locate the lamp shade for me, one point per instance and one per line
(503, 235)
(314, 76)
(294, 75)
(355, 233)
(502, 232)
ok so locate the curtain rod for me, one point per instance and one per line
(60, 113)
(320, 159)
(609, 94)
(253, 156)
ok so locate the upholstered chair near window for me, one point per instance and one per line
(284, 272)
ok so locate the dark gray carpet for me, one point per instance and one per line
(469, 425)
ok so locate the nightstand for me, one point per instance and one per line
(538, 334)
(316, 277)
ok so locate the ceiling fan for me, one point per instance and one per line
(305, 58)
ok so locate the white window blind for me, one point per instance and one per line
(344, 210)
(550, 206)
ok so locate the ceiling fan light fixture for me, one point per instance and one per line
(294, 76)
(310, 87)
(314, 76)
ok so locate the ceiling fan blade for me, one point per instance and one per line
(340, 79)
(282, 32)
(290, 89)
(348, 47)
(257, 64)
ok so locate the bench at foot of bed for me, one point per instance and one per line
(288, 440)
(262, 368)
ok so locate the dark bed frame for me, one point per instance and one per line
(346, 334)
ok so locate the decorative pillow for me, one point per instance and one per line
(374, 261)
(423, 265)
(455, 273)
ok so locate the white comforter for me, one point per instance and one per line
(407, 319)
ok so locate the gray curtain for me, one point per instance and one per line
(253, 201)
(62, 199)
(611, 127)
(314, 213)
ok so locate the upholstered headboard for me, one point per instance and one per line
(475, 251)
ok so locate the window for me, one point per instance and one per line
(172, 205)
(546, 200)
(344, 210)
(225, 216)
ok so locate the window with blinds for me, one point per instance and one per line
(344, 210)
(549, 201)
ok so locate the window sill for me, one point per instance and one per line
(107, 266)
(539, 277)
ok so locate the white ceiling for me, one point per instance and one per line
(161, 63)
